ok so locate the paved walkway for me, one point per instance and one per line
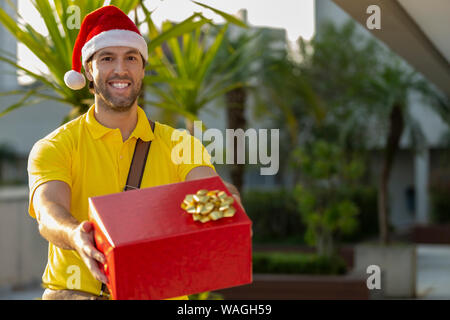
(433, 272)
(28, 294)
(433, 276)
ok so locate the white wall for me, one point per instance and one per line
(24, 126)
(23, 251)
(8, 79)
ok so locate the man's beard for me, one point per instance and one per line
(118, 103)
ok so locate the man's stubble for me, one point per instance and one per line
(118, 104)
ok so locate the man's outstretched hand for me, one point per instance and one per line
(83, 242)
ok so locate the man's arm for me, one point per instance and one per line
(206, 172)
(51, 202)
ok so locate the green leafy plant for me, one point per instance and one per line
(324, 207)
(365, 198)
(276, 219)
(440, 206)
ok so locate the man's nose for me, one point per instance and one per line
(120, 67)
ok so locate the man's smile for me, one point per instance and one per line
(119, 85)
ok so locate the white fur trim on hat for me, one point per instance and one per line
(74, 80)
(113, 38)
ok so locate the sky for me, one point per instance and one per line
(296, 16)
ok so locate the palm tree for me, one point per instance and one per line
(238, 62)
(182, 78)
(288, 98)
(55, 50)
(366, 90)
(392, 87)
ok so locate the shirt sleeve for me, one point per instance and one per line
(48, 160)
(189, 152)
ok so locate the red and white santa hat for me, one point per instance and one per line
(104, 27)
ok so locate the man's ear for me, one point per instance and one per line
(88, 71)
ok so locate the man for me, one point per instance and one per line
(91, 155)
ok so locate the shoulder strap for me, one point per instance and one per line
(138, 162)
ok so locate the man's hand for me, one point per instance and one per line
(206, 172)
(82, 238)
(234, 191)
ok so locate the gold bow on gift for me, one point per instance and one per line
(208, 205)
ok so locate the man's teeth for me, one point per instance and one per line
(119, 85)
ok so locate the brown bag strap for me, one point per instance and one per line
(138, 162)
(135, 174)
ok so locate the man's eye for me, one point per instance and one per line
(132, 58)
(106, 59)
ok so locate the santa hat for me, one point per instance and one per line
(104, 27)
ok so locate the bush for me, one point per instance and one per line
(274, 216)
(440, 205)
(365, 198)
(326, 210)
(297, 263)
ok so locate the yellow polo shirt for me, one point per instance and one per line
(93, 160)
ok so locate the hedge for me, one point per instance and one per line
(297, 263)
(276, 218)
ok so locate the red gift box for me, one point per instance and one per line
(155, 250)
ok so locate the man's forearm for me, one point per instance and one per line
(56, 225)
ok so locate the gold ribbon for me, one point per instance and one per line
(208, 205)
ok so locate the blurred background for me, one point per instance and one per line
(360, 96)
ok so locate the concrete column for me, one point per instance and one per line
(421, 173)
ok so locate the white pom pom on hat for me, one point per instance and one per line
(105, 27)
(74, 80)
